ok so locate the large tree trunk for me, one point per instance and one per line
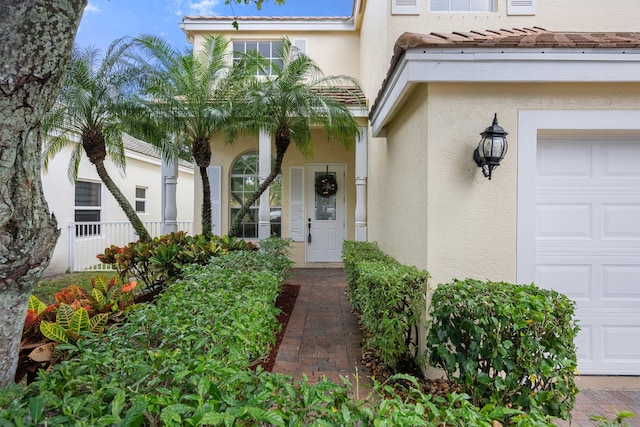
(131, 214)
(36, 38)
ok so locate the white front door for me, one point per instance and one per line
(588, 242)
(325, 213)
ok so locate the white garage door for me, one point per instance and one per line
(588, 243)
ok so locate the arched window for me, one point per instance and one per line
(244, 182)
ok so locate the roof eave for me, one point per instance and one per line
(499, 65)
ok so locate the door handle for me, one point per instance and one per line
(309, 233)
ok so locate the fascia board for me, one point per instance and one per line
(358, 111)
(503, 66)
(398, 85)
(273, 26)
(142, 157)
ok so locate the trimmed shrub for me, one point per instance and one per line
(390, 299)
(506, 344)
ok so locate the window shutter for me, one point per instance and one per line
(215, 181)
(296, 203)
(300, 44)
(521, 7)
(405, 7)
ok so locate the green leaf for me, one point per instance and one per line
(118, 403)
(54, 332)
(98, 295)
(63, 317)
(101, 283)
(36, 305)
(97, 323)
(260, 414)
(36, 408)
(79, 321)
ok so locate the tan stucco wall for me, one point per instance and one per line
(380, 29)
(337, 53)
(225, 155)
(466, 225)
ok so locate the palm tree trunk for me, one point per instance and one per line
(131, 214)
(206, 203)
(277, 168)
(283, 140)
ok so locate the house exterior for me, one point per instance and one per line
(563, 208)
(88, 215)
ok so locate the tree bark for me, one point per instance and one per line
(206, 203)
(141, 231)
(36, 38)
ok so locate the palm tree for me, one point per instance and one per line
(288, 103)
(191, 93)
(88, 114)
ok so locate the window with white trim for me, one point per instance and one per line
(88, 208)
(244, 182)
(141, 200)
(462, 5)
(271, 50)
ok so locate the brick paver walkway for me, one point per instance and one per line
(323, 339)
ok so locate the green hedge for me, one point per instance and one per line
(183, 361)
(506, 344)
(390, 299)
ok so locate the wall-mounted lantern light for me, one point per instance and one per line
(492, 148)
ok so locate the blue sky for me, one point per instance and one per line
(106, 20)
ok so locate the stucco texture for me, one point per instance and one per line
(462, 225)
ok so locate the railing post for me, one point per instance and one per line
(72, 247)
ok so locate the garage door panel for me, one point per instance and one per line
(621, 282)
(620, 159)
(621, 221)
(607, 342)
(572, 160)
(564, 221)
(588, 244)
(573, 280)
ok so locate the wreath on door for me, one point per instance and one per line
(326, 185)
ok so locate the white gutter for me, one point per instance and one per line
(502, 66)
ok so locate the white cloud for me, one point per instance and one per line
(204, 7)
(91, 8)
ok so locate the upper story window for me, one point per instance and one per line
(88, 207)
(244, 181)
(462, 5)
(269, 49)
(141, 200)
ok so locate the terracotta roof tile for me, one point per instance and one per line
(533, 38)
(346, 95)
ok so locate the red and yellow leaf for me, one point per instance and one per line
(36, 305)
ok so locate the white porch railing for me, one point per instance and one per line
(88, 239)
